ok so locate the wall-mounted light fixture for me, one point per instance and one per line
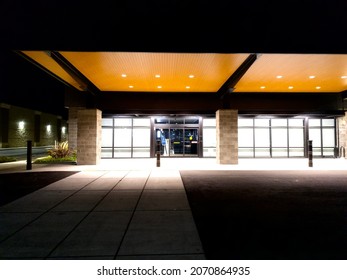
(21, 125)
(63, 130)
(48, 128)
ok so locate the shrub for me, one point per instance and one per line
(61, 150)
(7, 159)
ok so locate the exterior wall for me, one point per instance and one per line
(18, 125)
(342, 135)
(89, 136)
(227, 136)
(72, 124)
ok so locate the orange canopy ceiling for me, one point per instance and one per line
(198, 72)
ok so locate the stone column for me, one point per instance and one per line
(72, 127)
(226, 130)
(342, 133)
(89, 136)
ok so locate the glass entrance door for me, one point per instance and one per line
(177, 142)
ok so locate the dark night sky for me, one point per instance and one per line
(299, 26)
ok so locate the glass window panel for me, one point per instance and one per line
(314, 135)
(245, 137)
(262, 137)
(245, 122)
(176, 121)
(209, 136)
(296, 152)
(262, 152)
(122, 137)
(317, 152)
(106, 152)
(209, 152)
(296, 122)
(106, 137)
(107, 122)
(278, 122)
(122, 152)
(328, 137)
(209, 122)
(246, 152)
(328, 122)
(279, 152)
(122, 122)
(262, 122)
(161, 120)
(314, 122)
(328, 152)
(296, 137)
(141, 122)
(192, 120)
(279, 137)
(141, 152)
(141, 137)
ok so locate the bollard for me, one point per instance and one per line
(29, 154)
(158, 153)
(310, 162)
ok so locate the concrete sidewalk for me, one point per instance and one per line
(119, 209)
(136, 214)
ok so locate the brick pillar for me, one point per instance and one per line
(72, 127)
(342, 128)
(89, 136)
(226, 130)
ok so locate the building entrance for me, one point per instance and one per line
(178, 137)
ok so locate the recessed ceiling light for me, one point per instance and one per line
(131, 86)
(312, 77)
(343, 77)
(262, 87)
(157, 76)
(191, 76)
(318, 87)
(187, 87)
(290, 87)
(159, 86)
(124, 75)
(279, 77)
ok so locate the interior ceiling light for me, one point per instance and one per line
(188, 87)
(290, 87)
(312, 77)
(157, 76)
(191, 76)
(279, 76)
(262, 87)
(159, 86)
(343, 77)
(131, 86)
(124, 75)
(318, 87)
